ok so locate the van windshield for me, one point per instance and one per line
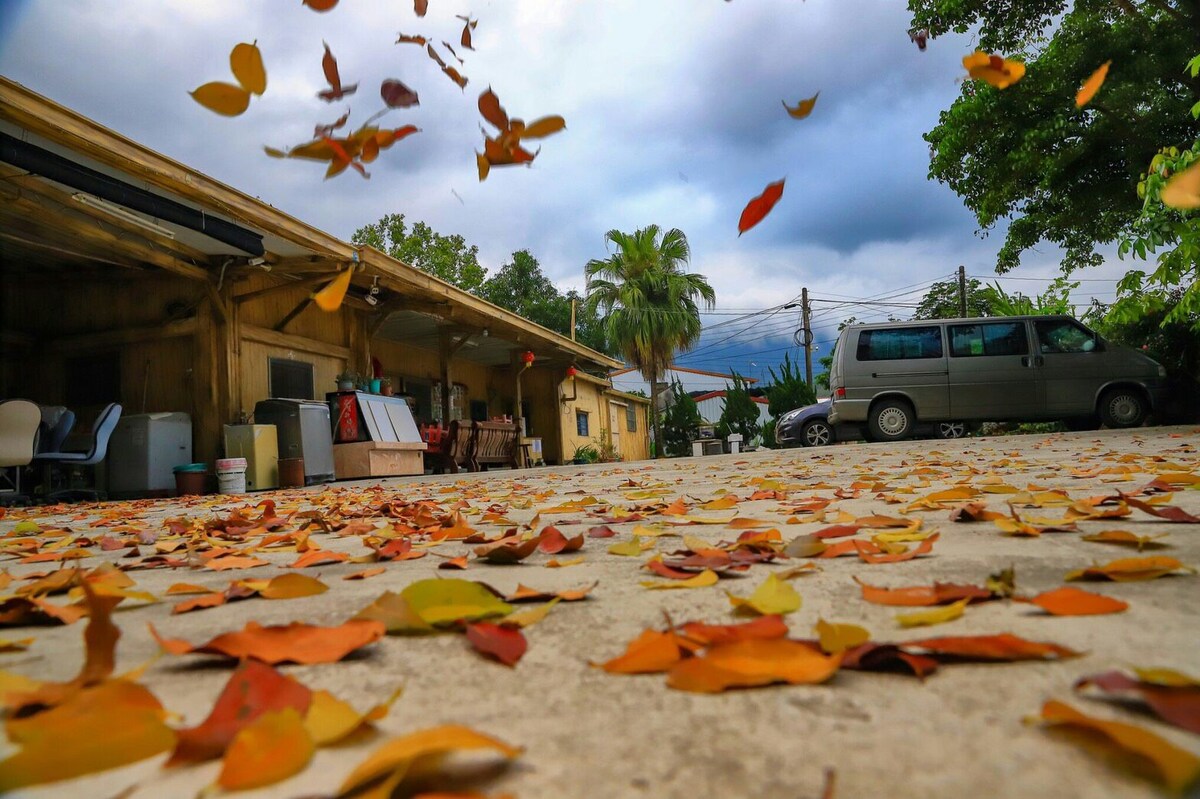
(1064, 335)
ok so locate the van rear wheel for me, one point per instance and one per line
(891, 420)
(1123, 407)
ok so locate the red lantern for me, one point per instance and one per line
(572, 371)
(528, 358)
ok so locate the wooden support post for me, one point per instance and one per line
(358, 336)
(231, 340)
(518, 367)
(207, 384)
(445, 353)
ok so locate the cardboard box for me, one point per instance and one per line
(378, 459)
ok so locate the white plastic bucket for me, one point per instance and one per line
(231, 475)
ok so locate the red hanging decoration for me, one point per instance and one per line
(572, 371)
(528, 358)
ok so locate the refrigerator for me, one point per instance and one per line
(304, 431)
(259, 445)
(143, 451)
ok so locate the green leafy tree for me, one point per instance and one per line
(941, 301)
(1172, 238)
(648, 301)
(740, 414)
(447, 257)
(520, 286)
(1027, 154)
(680, 421)
(1056, 299)
(788, 390)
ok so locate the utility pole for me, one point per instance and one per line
(962, 291)
(805, 312)
(572, 320)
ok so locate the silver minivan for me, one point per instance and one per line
(996, 369)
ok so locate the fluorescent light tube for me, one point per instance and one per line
(122, 213)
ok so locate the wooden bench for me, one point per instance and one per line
(455, 449)
(495, 443)
(475, 445)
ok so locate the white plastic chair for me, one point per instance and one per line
(19, 420)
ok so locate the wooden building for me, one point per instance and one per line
(127, 276)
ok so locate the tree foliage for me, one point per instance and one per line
(649, 303)
(520, 286)
(1056, 299)
(788, 390)
(740, 414)
(1026, 154)
(1172, 290)
(446, 257)
(941, 300)
(680, 421)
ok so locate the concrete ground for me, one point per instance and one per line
(587, 733)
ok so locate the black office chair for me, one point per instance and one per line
(101, 432)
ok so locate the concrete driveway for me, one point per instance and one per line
(588, 733)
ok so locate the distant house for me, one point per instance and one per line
(712, 405)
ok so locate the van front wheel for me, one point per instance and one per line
(891, 420)
(1122, 407)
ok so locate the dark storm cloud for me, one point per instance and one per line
(673, 111)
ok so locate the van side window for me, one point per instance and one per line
(900, 343)
(995, 338)
(1063, 335)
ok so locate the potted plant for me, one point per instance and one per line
(585, 453)
(346, 381)
(606, 452)
(385, 387)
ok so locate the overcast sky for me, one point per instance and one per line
(673, 112)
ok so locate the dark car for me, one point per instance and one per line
(810, 427)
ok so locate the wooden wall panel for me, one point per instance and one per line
(587, 398)
(61, 307)
(270, 309)
(157, 376)
(635, 446)
(255, 371)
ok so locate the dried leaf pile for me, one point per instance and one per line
(798, 573)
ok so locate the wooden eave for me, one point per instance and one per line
(419, 290)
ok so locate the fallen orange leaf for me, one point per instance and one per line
(1070, 601)
(1176, 768)
(752, 662)
(294, 643)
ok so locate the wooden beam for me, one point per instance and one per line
(107, 339)
(292, 314)
(207, 383)
(77, 227)
(14, 338)
(218, 302)
(265, 335)
(306, 263)
(103, 259)
(65, 201)
(249, 296)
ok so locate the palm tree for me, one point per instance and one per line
(648, 303)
